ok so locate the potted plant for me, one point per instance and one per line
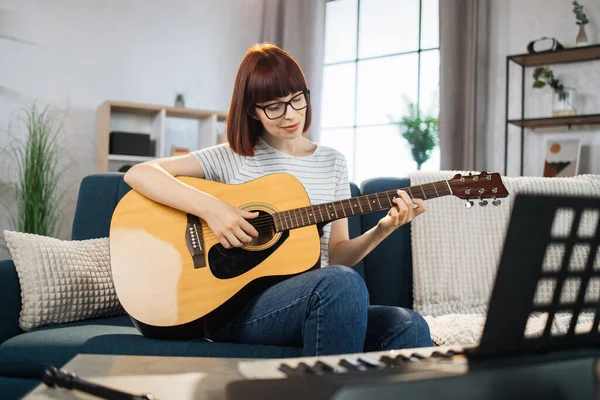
(421, 133)
(562, 104)
(179, 100)
(35, 186)
(582, 20)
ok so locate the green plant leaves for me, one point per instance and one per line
(421, 133)
(36, 159)
(543, 76)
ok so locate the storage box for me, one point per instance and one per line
(130, 143)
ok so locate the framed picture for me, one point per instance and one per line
(562, 157)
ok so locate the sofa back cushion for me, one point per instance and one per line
(10, 300)
(96, 202)
(388, 268)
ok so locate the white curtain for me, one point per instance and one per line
(298, 26)
(464, 59)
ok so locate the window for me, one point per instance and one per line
(380, 55)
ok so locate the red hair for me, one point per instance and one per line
(266, 72)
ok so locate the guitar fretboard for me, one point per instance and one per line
(327, 212)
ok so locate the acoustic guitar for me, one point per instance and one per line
(170, 271)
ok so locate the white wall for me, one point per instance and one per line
(513, 24)
(87, 51)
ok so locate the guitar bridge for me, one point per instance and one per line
(193, 240)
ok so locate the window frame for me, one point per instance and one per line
(356, 61)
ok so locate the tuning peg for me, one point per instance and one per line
(469, 204)
(496, 202)
(483, 203)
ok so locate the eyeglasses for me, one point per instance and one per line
(278, 110)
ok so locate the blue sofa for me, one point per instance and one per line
(23, 355)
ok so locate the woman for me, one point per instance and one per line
(326, 310)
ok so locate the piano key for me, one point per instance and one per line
(387, 360)
(352, 365)
(324, 367)
(402, 357)
(369, 362)
(304, 369)
(286, 369)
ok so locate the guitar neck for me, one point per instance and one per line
(327, 212)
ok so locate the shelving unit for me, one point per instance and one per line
(571, 55)
(150, 119)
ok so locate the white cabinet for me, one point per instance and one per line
(168, 127)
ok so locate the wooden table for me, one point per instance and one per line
(166, 378)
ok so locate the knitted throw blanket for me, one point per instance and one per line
(456, 252)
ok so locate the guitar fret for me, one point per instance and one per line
(350, 206)
(369, 203)
(296, 217)
(320, 212)
(289, 220)
(344, 211)
(388, 196)
(307, 215)
(436, 192)
(424, 195)
(411, 193)
(312, 209)
(449, 188)
(330, 210)
(360, 206)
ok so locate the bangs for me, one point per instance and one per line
(274, 76)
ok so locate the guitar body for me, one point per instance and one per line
(170, 271)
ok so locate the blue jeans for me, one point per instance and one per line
(325, 311)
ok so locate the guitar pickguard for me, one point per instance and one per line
(229, 263)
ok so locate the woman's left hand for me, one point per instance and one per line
(405, 210)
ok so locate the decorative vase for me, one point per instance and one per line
(582, 39)
(179, 101)
(563, 103)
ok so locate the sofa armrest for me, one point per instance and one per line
(10, 300)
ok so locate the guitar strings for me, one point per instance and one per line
(267, 221)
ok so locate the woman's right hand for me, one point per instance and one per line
(229, 224)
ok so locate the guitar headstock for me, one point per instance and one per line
(480, 187)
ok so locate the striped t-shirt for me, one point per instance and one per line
(323, 173)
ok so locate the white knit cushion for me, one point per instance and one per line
(61, 280)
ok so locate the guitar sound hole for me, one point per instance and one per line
(265, 226)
